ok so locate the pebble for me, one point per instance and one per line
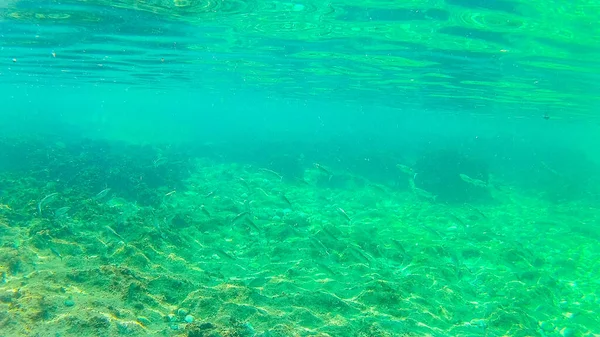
(189, 319)
(69, 302)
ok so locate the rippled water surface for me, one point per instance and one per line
(478, 55)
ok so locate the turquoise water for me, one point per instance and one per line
(307, 168)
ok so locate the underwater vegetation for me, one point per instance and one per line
(134, 172)
(110, 239)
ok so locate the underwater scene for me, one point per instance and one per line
(306, 168)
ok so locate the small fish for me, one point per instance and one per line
(272, 172)
(479, 212)
(327, 231)
(170, 193)
(45, 199)
(61, 211)
(432, 230)
(421, 193)
(251, 224)
(239, 216)
(456, 219)
(101, 194)
(345, 214)
(205, 211)
(156, 224)
(322, 169)
(286, 200)
(222, 252)
(56, 252)
(399, 246)
(159, 161)
(245, 183)
(551, 170)
(377, 187)
(473, 181)
(264, 192)
(302, 181)
(359, 254)
(318, 244)
(406, 169)
(115, 233)
(325, 267)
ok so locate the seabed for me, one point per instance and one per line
(106, 240)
